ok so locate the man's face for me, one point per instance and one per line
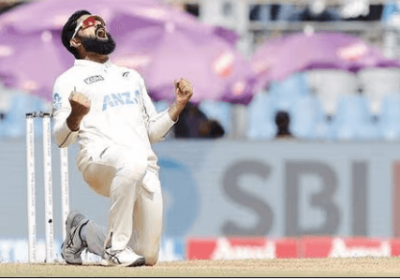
(94, 36)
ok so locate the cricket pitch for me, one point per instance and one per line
(336, 267)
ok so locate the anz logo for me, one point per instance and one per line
(120, 99)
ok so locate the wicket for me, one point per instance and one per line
(48, 186)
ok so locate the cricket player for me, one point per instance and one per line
(106, 109)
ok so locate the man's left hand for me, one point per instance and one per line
(183, 91)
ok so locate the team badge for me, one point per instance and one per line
(57, 101)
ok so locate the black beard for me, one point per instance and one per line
(98, 46)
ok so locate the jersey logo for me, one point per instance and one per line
(125, 74)
(57, 101)
(120, 99)
(93, 79)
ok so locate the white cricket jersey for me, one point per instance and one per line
(121, 111)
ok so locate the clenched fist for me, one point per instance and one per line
(80, 106)
(183, 91)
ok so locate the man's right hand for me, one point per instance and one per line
(80, 106)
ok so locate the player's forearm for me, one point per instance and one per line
(176, 109)
(159, 127)
(62, 133)
(74, 122)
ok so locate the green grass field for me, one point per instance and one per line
(363, 267)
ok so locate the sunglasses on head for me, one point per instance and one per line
(88, 22)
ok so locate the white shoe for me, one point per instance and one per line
(124, 257)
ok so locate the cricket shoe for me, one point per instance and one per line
(126, 257)
(73, 244)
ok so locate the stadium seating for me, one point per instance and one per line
(286, 93)
(219, 111)
(261, 113)
(389, 119)
(13, 124)
(307, 119)
(329, 85)
(353, 119)
(373, 115)
(378, 82)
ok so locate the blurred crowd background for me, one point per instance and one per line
(313, 101)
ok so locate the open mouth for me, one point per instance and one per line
(101, 33)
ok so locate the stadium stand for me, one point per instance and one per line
(13, 109)
(353, 119)
(219, 111)
(261, 113)
(389, 118)
(308, 119)
(378, 82)
(322, 104)
(287, 92)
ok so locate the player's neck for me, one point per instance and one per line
(100, 58)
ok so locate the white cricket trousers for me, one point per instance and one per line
(136, 206)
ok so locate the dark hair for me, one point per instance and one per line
(69, 29)
(282, 121)
(282, 118)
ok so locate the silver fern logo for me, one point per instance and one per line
(57, 101)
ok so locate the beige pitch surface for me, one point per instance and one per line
(364, 267)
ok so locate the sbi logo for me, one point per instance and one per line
(181, 198)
